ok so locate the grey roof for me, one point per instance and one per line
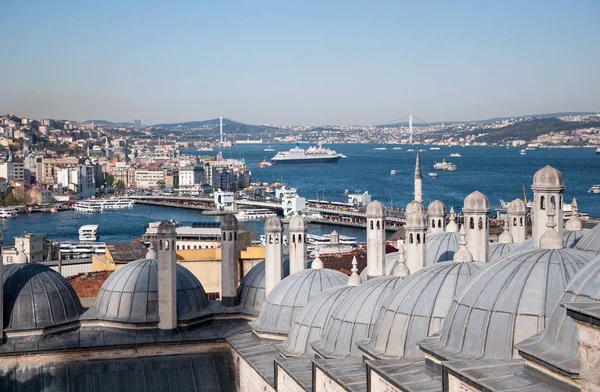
(127, 251)
(290, 296)
(499, 250)
(259, 353)
(350, 374)
(187, 372)
(37, 297)
(557, 344)
(130, 294)
(504, 303)
(299, 369)
(590, 242)
(412, 375)
(570, 239)
(353, 320)
(308, 326)
(252, 289)
(441, 247)
(417, 309)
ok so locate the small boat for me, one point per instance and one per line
(397, 148)
(53, 210)
(264, 164)
(202, 149)
(598, 150)
(410, 150)
(422, 150)
(380, 149)
(434, 149)
(530, 149)
(455, 155)
(443, 165)
(433, 175)
(523, 152)
(269, 149)
(393, 173)
(594, 189)
(8, 213)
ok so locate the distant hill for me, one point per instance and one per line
(104, 122)
(211, 128)
(195, 124)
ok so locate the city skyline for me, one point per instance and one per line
(335, 63)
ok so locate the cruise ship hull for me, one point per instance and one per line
(306, 160)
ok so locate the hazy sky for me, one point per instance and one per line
(298, 62)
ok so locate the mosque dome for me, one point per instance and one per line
(517, 207)
(37, 297)
(308, 326)
(389, 261)
(297, 223)
(590, 242)
(353, 320)
(375, 210)
(436, 208)
(414, 206)
(291, 295)
(557, 344)
(416, 220)
(252, 289)
(504, 303)
(570, 239)
(498, 250)
(548, 178)
(476, 202)
(417, 309)
(130, 294)
(441, 247)
(273, 223)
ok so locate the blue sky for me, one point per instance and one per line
(309, 62)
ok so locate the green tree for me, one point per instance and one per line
(10, 200)
(120, 185)
(160, 184)
(110, 180)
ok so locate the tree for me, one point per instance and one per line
(160, 184)
(120, 185)
(110, 180)
(10, 200)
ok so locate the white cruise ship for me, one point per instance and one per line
(310, 155)
(99, 205)
(257, 214)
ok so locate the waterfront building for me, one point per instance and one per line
(191, 176)
(149, 178)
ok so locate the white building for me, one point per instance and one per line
(78, 179)
(12, 171)
(148, 178)
(190, 176)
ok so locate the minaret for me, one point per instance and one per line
(551, 239)
(436, 217)
(476, 210)
(574, 223)
(297, 240)
(229, 260)
(416, 248)
(452, 227)
(400, 269)
(375, 239)
(548, 188)
(506, 237)
(273, 253)
(418, 181)
(462, 255)
(517, 214)
(354, 279)
(167, 276)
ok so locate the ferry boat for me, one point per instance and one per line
(397, 148)
(99, 205)
(594, 189)
(8, 213)
(393, 172)
(433, 175)
(205, 149)
(455, 155)
(269, 149)
(264, 164)
(257, 214)
(87, 206)
(530, 149)
(310, 155)
(88, 233)
(443, 165)
(410, 150)
(78, 250)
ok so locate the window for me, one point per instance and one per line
(542, 203)
(515, 221)
(299, 238)
(418, 238)
(378, 227)
(371, 225)
(520, 222)
(480, 224)
(433, 223)
(270, 239)
(293, 238)
(410, 241)
(471, 223)
(439, 223)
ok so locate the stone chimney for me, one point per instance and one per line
(167, 276)
(229, 260)
(297, 240)
(273, 253)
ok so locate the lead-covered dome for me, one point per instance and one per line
(308, 326)
(375, 210)
(436, 208)
(291, 295)
(590, 242)
(476, 202)
(504, 303)
(273, 223)
(517, 207)
(417, 309)
(36, 297)
(570, 239)
(353, 320)
(130, 294)
(414, 206)
(499, 250)
(557, 344)
(441, 247)
(297, 223)
(252, 289)
(548, 178)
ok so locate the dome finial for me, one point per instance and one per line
(400, 269)
(354, 279)
(505, 237)
(574, 223)
(551, 239)
(463, 255)
(151, 254)
(21, 256)
(452, 227)
(317, 263)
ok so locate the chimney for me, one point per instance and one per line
(167, 276)
(297, 240)
(273, 253)
(229, 260)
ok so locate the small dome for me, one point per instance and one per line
(273, 224)
(37, 297)
(375, 210)
(590, 241)
(436, 208)
(504, 303)
(570, 239)
(290, 296)
(499, 250)
(130, 294)
(557, 344)
(297, 223)
(353, 320)
(441, 247)
(308, 326)
(548, 178)
(229, 222)
(166, 228)
(389, 261)
(417, 309)
(517, 207)
(416, 220)
(476, 202)
(252, 289)
(414, 206)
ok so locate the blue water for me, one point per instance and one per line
(498, 172)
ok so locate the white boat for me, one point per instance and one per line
(269, 149)
(87, 206)
(422, 150)
(455, 155)
(256, 214)
(264, 163)
(523, 152)
(598, 150)
(393, 172)
(203, 149)
(530, 149)
(433, 175)
(410, 150)
(78, 250)
(443, 165)
(594, 189)
(99, 205)
(379, 149)
(397, 148)
(8, 213)
(434, 149)
(88, 233)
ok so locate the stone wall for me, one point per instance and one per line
(380, 384)
(285, 383)
(589, 356)
(323, 383)
(248, 379)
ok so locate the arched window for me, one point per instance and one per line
(471, 223)
(378, 225)
(560, 204)
(410, 238)
(371, 225)
(440, 223)
(480, 224)
(520, 222)
(418, 238)
(299, 238)
(486, 222)
(276, 239)
(542, 203)
(270, 239)
(293, 238)
(230, 236)
(235, 235)
(515, 221)
(553, 201)
(166, 245)
(160, 244)
(423, 237)
(433, 223)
